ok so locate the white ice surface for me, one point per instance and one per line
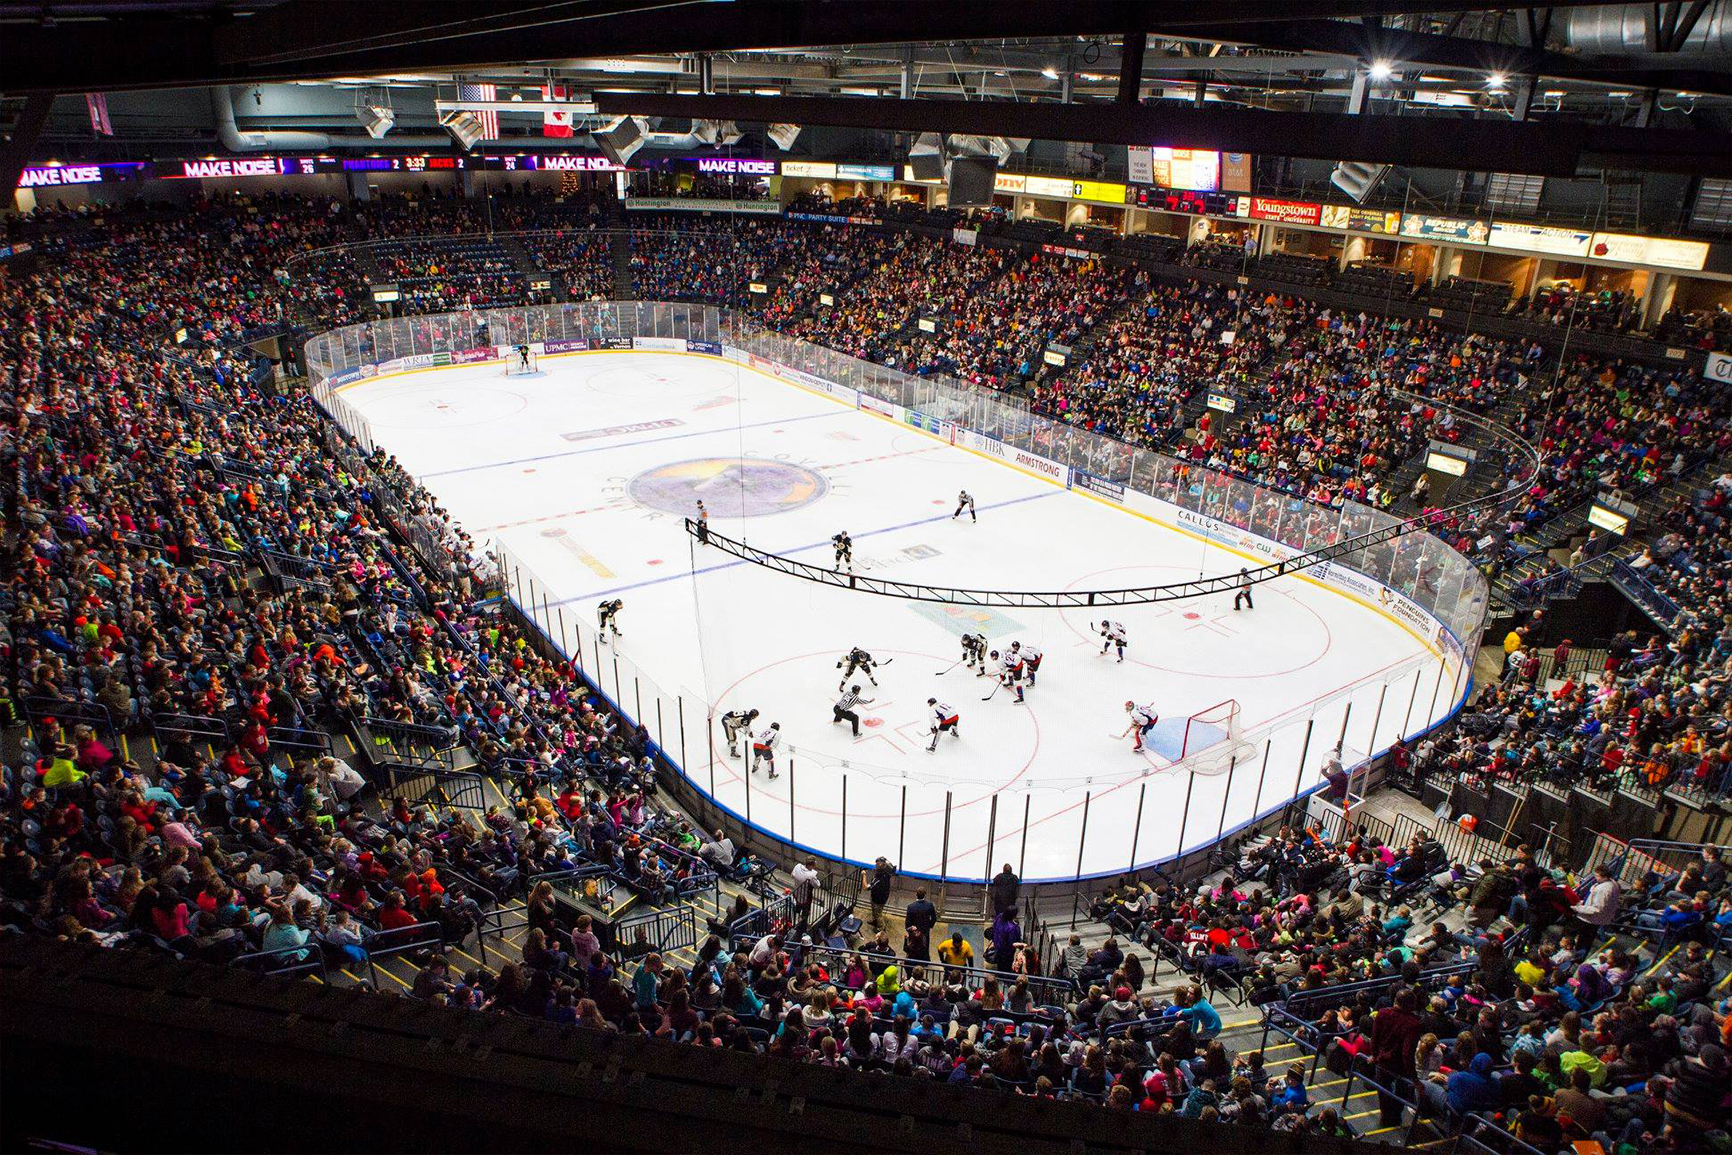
(499, 454)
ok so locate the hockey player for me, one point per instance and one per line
(1114, 633)
(844, 546)
(735, 723)
(1030, 656)
(607, 617)
(764, 747)
(855, 659)
(974, 653)
(1143, 719)
(523, 357)
(1009, 672)
(843, 711)
(943, 718)
(964, 500)
(703, 525)
(1244, 591)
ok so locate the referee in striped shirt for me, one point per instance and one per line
(844, 709)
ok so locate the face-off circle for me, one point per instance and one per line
(729, 486)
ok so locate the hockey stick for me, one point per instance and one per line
(948, 668)
(995, 688)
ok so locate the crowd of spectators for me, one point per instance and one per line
(154, 485)
(1000, 334)
(1508, 1011)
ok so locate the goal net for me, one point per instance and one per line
(516, 365)
(1212, 739)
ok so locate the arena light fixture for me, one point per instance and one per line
(464, 127)
(621, 142)
(1380, 70)
(377, 118)
(1497, 82)
(1049, 72)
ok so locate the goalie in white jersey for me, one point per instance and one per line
(944, 717)
(1143, 719)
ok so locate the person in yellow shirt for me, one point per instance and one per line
(955, 951)
(1512, 642)
(62, 771)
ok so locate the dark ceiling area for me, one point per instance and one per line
(1563, 88)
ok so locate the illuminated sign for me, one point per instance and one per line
(1053, 357)
(1444, 463)
(1223, 403)
(1718, 368)
(1361, 220)
(572, 164)
(822, 170)
(1541, 239)
(1453, 229)
(757, 287)
(927, 325)
(728, 164)
(384, 294)
(1608, 519)
(232, 169)
(826, 299)
(1098, 190)
(1665, 252)
(1284, 212)
(1192, 169)
(1047, 186)
(866, 171)
(59, 175)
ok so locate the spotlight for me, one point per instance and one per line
(464, 127)
(377, 118)
(620, 142)
(1496, 81)
(1381, 70)
(1049, 72)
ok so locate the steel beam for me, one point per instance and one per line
(1554, 148)
(311, 39)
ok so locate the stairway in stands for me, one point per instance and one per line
(624, 286)
(1560, 533)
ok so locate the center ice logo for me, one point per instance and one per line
(729, 486)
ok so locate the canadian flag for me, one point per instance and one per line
(555, 122)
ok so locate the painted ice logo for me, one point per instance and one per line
(728, 486)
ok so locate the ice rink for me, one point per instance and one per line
(582, 474)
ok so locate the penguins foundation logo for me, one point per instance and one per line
(729, 486)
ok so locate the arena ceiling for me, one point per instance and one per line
(1554, 88)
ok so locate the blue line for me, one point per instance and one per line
(799, 549)
(628, 444)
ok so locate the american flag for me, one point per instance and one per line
(489, 117)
